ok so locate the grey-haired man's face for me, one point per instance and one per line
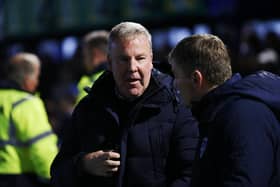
(130, 60)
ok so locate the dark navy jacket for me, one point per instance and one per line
(240, 133)
(156, 137)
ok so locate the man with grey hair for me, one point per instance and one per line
(131, 129)
(27, 142)
(239, 116)
(24, 70)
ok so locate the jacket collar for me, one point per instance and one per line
(8, 84)
(152, 97)
(205, 110)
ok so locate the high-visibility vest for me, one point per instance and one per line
(27, 142)
(86, 81)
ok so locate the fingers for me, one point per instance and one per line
(112, 159)
(111, 172)
(110, 168)
(112, 155)
(102, 163)
(111, 163)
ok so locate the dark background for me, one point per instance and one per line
(53, 29)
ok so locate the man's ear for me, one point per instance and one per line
(109, 63)
(26, 83)
(197, 78)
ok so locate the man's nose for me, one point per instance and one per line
(133, 65)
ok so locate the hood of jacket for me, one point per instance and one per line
(262, 86)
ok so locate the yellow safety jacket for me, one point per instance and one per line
(86, 81)
(27, 143)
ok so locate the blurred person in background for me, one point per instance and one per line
(131, 129)
(27, 143)
(94, 50)
(238, 116)
(268, 58)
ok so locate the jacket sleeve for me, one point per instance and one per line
(250, 138)
(36, 131)
(65, 168)
(183, 147)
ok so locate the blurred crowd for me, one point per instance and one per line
(58, 80)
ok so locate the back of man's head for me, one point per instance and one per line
(206, 53)
(22, 68)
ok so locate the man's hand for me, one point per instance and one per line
(101, 163)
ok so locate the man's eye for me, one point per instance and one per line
(141, 59)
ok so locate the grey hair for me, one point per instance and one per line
(21, 65)
(125, 30)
